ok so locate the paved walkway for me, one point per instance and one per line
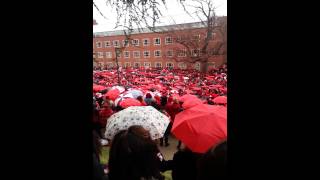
(169, 151)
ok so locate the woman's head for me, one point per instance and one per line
(140, 98)
(148, 95)
(133, 155)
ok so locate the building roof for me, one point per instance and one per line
(193, 25)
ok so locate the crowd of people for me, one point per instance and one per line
(133, 154)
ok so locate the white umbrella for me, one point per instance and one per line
(120, 88)
(146, 116)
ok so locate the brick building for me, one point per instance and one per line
(159, 48)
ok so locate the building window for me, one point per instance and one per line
(108, 54)
(116, 43)
(146, 42)
(197, 66)
(169, 65)
(157, 53)
(182, 65)
(157, 41)
(146, 54)
(147, 64)
(168, 40)
(136, 64)
(125, 43)
(195, 52)
(214, 35)
(169, 53)
(98, 44)
(179, 38)
(136, 54)
(135, 42)
(127, 64)
(126, 54)
(158, 65)
(100, 54)
(182, 53)
(118, 55)
(196, 37)
(107, 44)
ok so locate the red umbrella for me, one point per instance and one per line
(97, 88)
(130, 102)
(189, 103)
(196, 88)
(220, 100)
(201, 126)
(187, 97)
(113, 94)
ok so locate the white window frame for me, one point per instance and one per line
(100, 54)
(182, 50)
(108, 53)
(169, 51)
(144, 64)
(182, 65)
(115, 55)
(144, 54)
(99, 42)
(105, 44)
(117, 43)
(124, 53)
(134, 54)
(123, 41)
(154, 53)
(134, 64)
(198, 37)
(154, 41)
(192, 52)
(135, 44)
(166, 42)
(126, 64)
(197, 66)
(169, 63)
(148, 42)
(155, 64)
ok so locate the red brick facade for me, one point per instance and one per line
(104, 49)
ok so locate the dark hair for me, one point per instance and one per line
(133, 155)
(140, 98)
(213, 164)
(163, 100)
(148, 95)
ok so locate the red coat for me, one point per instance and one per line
(104, 114)
(173, 109)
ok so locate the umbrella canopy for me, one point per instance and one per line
(220, 100)
(120, 88)
(146, 116)
(113, 94)
(97, 88)
(201, 126)
(189, 103)
(187, 97)
(129, 102)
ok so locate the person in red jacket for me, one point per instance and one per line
(104, 114)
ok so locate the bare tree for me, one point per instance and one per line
(192, 49)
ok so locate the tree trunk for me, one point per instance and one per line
(204, 66)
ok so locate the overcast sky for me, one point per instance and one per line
(174, 12)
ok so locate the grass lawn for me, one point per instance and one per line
(104, 157)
